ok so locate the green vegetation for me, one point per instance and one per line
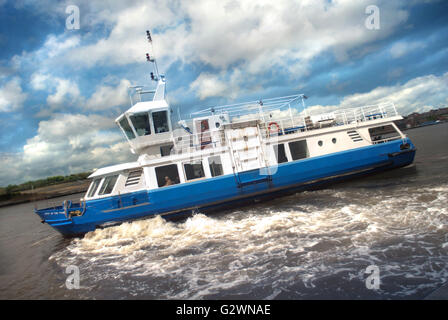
(9, 191)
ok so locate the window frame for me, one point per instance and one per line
(131, 126)
(276, 153)
(104, 181)
(191, 163)
(88, 194)
(163, 166)
(292, 154)
(210, 165)
(149, 123)
(167, 121)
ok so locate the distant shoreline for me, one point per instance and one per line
(49, 192)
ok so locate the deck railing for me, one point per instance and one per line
(57, 202)
(279, 116)
(253, 109)
(284, 112)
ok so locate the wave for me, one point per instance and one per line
(300, 246)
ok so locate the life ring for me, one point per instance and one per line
(271, 124)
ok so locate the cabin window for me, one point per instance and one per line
(108, 185)
(93, 187)
(160, 120)
(333, 140)
(194, 170)
(280, 153)
(383, 133)
(166, 150)
(141, 124)
(133, 178)
(320, 143)
(167, 175)
(215, 166)
(299, 149)
(124, 124)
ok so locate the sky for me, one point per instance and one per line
(61, 88)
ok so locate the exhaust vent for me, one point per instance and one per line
(354, 135)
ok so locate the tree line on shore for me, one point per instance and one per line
(10, 190)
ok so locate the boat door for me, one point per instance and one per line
(246, 148)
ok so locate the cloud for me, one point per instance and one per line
(256, 35)
(39, 81)
(55, 45)
(209, 85)
(64, 144)
(49, 56)
(67, 94)
(106, 97)
(125, 44)
(416, 95)
(401, 48)
(11, 96)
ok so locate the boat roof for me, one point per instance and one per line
(145, 106)
(116, 168)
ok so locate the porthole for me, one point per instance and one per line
(320, 143)
(333, 140)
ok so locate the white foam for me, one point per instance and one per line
(271, 247)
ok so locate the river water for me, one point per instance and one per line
(311, 245)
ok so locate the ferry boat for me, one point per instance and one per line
(229, 155)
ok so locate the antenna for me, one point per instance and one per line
(303, 103)
(156, 76)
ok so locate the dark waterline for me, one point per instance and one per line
(310, 245)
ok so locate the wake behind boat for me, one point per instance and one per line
(227, 155)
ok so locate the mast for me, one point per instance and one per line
(155, 76)
(152, 59)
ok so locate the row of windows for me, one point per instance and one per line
(166, 175)
(142, 125)
(298, 150)
(169, 174)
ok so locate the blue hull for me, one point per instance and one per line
(225, 191)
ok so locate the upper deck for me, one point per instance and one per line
(284, 112)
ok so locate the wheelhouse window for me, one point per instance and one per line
(166, 150)
(299, 149)
(194, 170)
(167, 175)
(280, 153)
(124, 124)
(141, 123)
(93, 187)
(160, 120)
(215, 166)
(108, 185)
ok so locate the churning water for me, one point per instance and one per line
(315, 244)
